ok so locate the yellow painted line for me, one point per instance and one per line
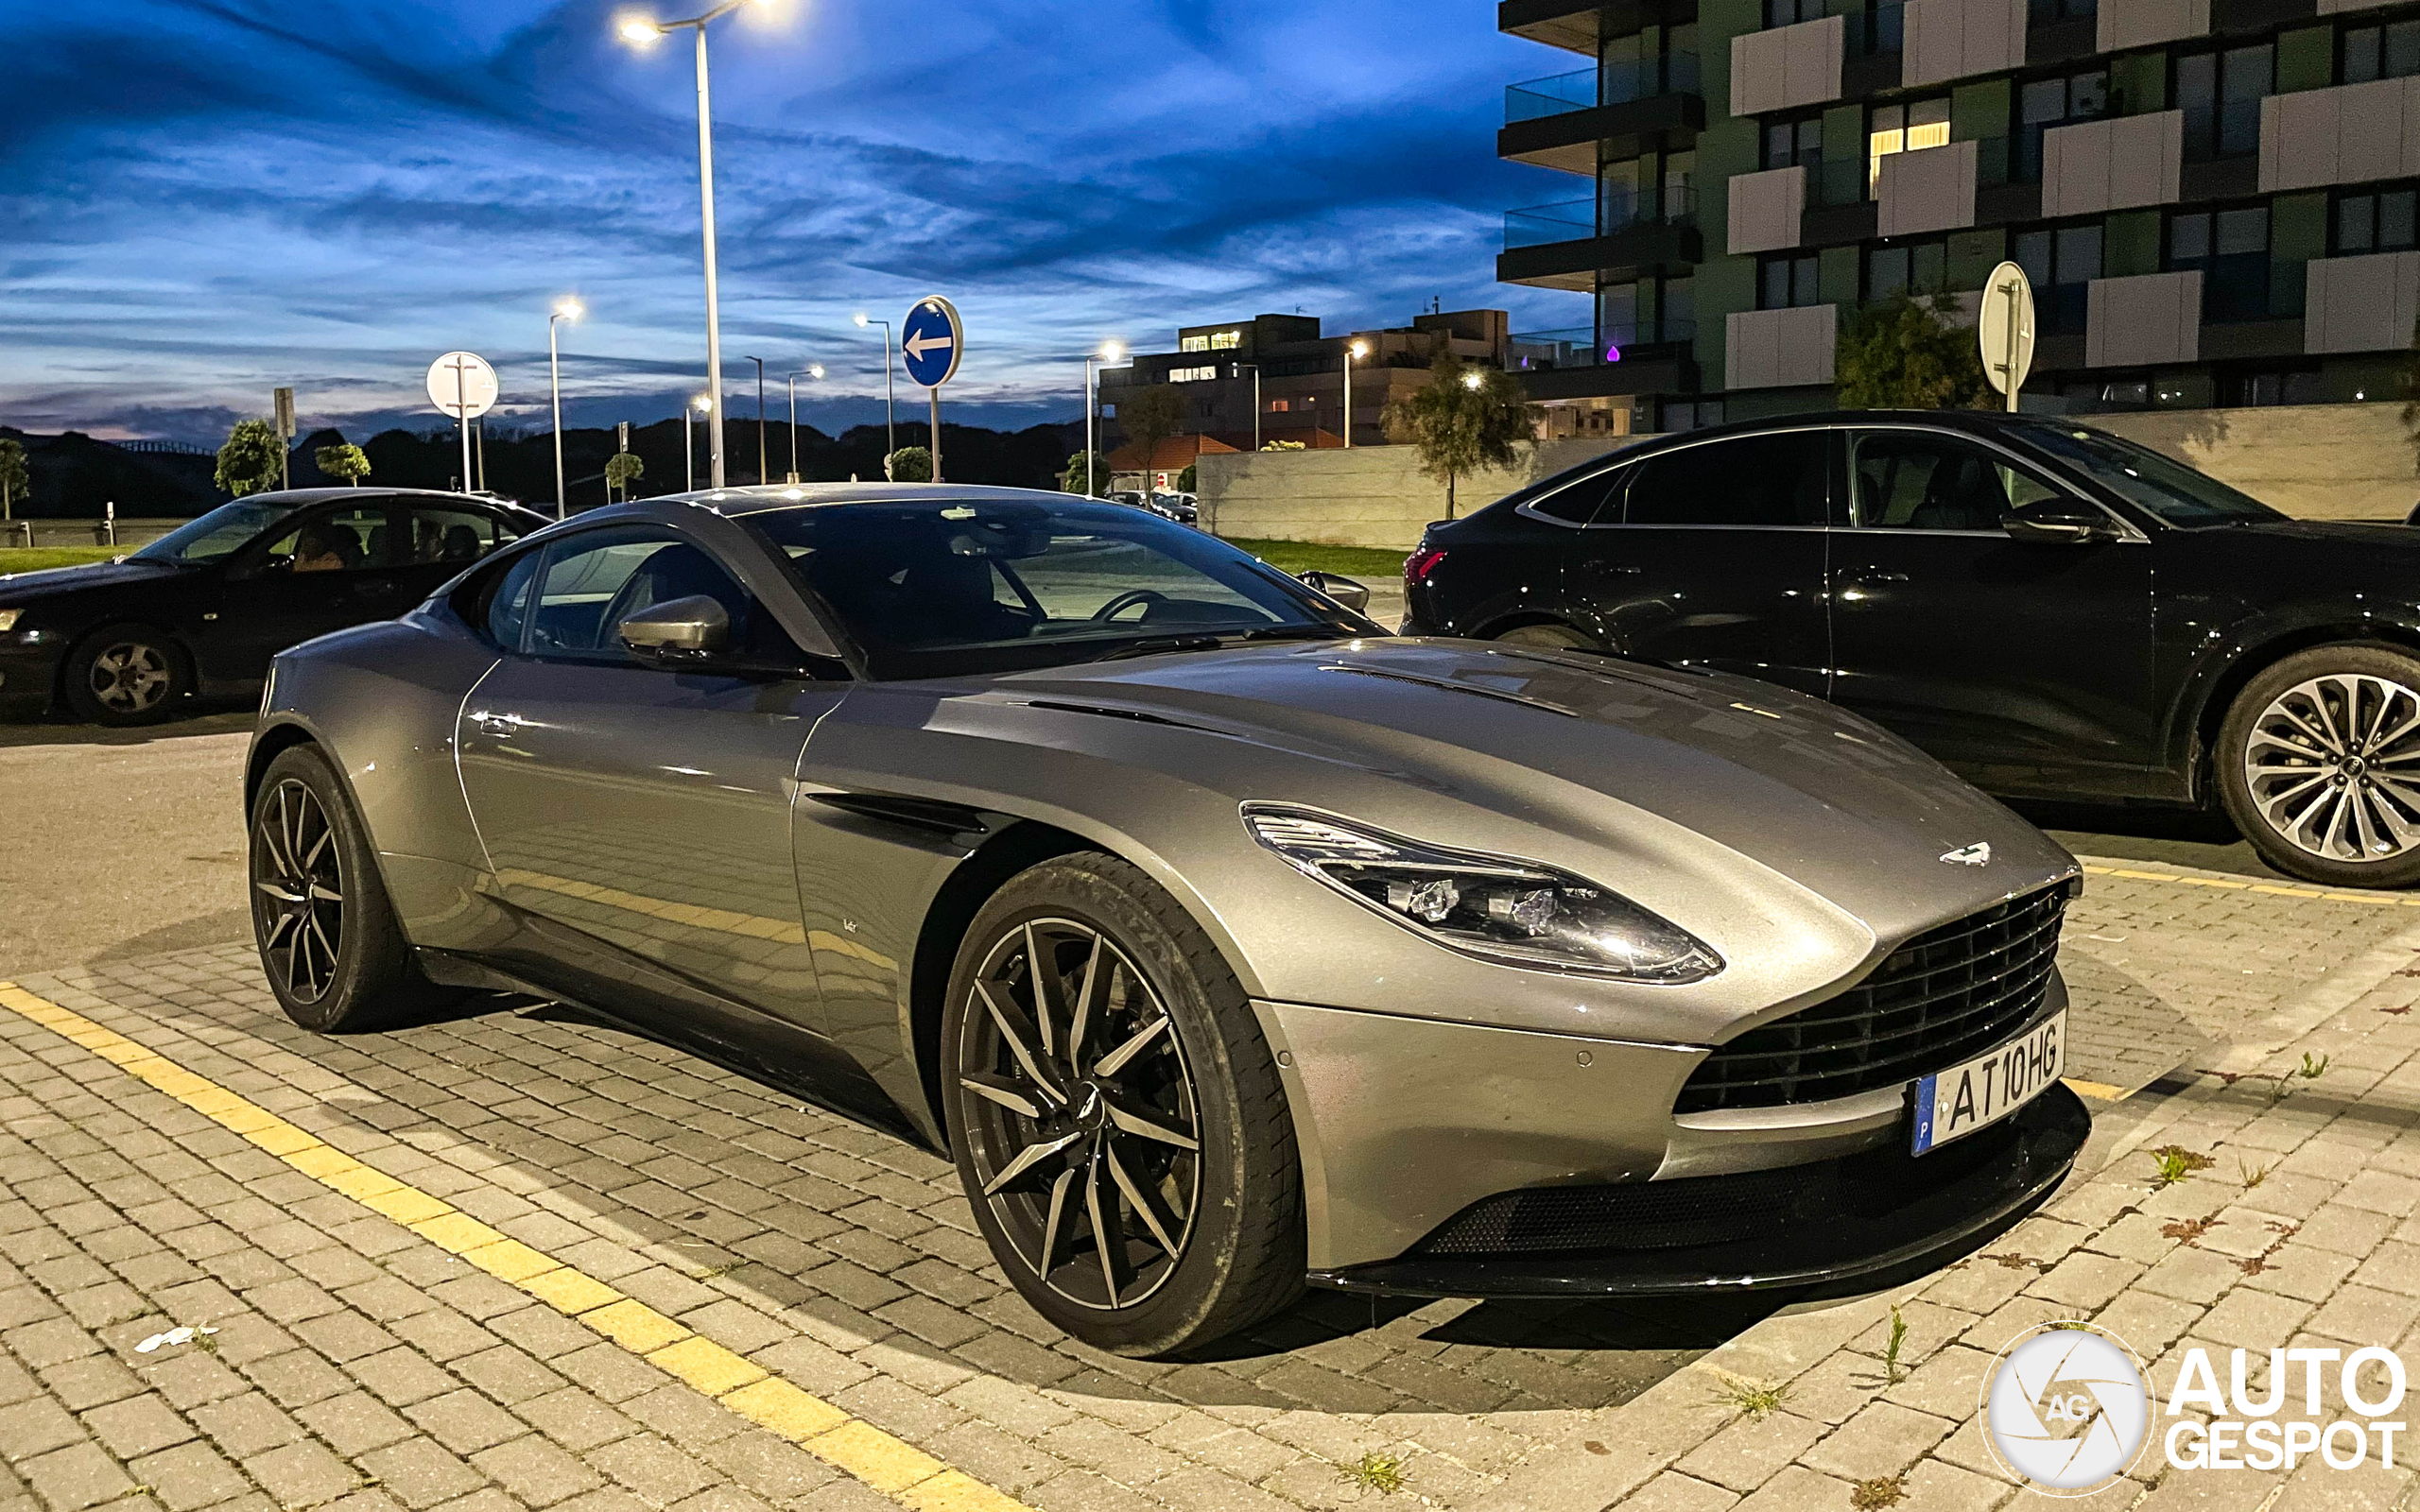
(2095, 1089)
(2376, 900)
(891, 1464)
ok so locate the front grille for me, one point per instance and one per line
(1949, 993)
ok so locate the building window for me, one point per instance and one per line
(1790, 13)
(2049, 12)
(2220, 94)
(2290, 387)
(1191, 375)
(2377, 221)
(1787, 281)
(2047, 103)
(1905, 268)
(2231, 250)
(2364, 53)
(1688, 414)
(1793, 143)
(1214, 341)
(2061, 261)
(1894, 128)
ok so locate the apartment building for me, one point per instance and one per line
(2214, 198)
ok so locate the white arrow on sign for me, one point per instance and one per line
(916, 346)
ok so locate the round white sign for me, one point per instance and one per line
(461, 386)
(2004, 328)
(2066, 1409)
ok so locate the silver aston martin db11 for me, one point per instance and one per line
(1224, 941)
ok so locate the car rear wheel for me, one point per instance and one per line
(1550, 637)
(126, 675)
(2319, 765)
(1116, 1113)
(329, 941)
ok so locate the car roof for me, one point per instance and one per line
(1980, 422)
(760, 498)
(296, 498)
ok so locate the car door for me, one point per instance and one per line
(637, 810)
(327, 568)
(2025, 666)
(1712, 555)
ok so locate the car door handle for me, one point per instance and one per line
(500, 726)
(1872, 580)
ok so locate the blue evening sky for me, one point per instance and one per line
(204, 199)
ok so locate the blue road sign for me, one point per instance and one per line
(931, 339)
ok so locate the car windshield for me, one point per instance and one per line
(943, 587)
(2177, 494)
(216, 534)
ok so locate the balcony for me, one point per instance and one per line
(1571, 246)
(1561, 122)
(1583, 25)
(1641, 357)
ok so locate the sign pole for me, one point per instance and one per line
(2011, 369)
(937, 434)
(463, 413)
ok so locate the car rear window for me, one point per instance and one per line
(1782, 479)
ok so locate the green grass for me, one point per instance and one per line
(37, 558)
(1365, 563)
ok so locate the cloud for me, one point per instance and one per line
(217, 196)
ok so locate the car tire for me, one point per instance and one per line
(329, 940)
(1550, 637)
(126, 674)
(1143, 1100)
(2303, 777)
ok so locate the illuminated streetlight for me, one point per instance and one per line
(640, 30)
(889, 421)
(565, 309)
(702, 405)
(1110, 351)
(1358, 349)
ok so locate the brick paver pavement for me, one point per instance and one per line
(355, 1363)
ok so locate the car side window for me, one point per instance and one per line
(592, 582)
(508, 604)
(1583, 500)
(334, 540)
(1925, 480)
(455, 537)
(1782, 479)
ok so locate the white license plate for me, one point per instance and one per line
(1954, 1102)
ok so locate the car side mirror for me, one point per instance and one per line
(2057, 522)
(1353, 595)
(696, 626)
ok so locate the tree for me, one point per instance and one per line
(343, 460)
(1190, 479)
(14, 480)
(1465, 418)
(1906, 353)
(620, 469)
(1151, 415)
(252, 460)
(911, 464)
(1073, 479)
(1287, 446)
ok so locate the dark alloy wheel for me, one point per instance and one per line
(1117, 1115)
(330, 944)
(126, 675)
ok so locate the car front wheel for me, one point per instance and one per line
(126, 675)
(2319, 765)
(1116, 1113)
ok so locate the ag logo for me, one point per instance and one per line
(2064, 1407)
(1978, 855)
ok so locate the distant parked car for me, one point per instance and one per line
(1181, 508)
(2053, 611)
(205, 608)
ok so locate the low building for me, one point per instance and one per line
(1273, 378)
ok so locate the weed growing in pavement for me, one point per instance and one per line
(1872, 1496)
(2312, 1070)
(1891, 1350)
(1373, 1471)
(1758, 1399)
(2252, 1175)
(2171, 1163)
(2190, 1231)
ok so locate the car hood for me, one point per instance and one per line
(23, 588)
(1583, 747)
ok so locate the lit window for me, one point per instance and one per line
(1904, 129)
(1226, 340)
(1191, 375)
(1280, 406)
(1194, 344)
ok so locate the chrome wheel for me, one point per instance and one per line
(298, 891)
(2333, 766)
(131, 677)
(1080, 1114)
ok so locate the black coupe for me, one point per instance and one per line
(2053, 611)
(202, 610)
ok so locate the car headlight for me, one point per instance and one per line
(1501, 907)
(8, 619)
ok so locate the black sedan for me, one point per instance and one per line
(2053, 611)
(201, 610)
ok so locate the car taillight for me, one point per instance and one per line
(1417, 566)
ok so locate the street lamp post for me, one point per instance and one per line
(763, 473)
(1358, 349)
(638, 30)
(813, 369)
(702, 405)
(1255, 401)
(1110, 351)
(565, 310)
(890, 395)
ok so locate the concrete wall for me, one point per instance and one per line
(1369, 496)
(2313, 461)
